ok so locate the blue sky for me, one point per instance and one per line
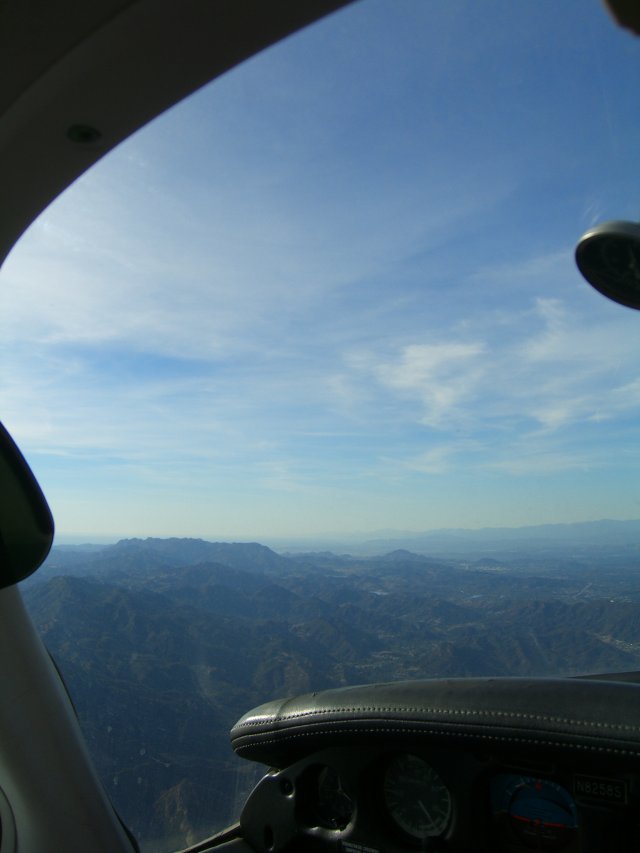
(335, 292)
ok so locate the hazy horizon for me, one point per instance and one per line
(355, 538)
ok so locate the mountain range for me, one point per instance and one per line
(164, 643)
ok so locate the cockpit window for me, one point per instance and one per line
(328, 301)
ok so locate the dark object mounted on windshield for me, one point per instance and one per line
(626, 13)
(26, 523)
(608, 256)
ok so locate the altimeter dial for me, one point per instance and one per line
(416, 798)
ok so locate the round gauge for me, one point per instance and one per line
(541, 814)
(321, 799)
(416, 798)
(334, 808)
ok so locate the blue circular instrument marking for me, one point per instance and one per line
(541, 814)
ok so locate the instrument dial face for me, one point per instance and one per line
(416, 798)
(321, 800)
(540, 813)
(334, 808)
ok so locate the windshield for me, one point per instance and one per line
(329, 305)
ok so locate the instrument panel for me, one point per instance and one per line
(368, 799)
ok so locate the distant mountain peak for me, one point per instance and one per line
(402, 555)
(249, 556)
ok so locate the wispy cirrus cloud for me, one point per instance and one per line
(532, 399)
(442, 376)
(443, 458)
